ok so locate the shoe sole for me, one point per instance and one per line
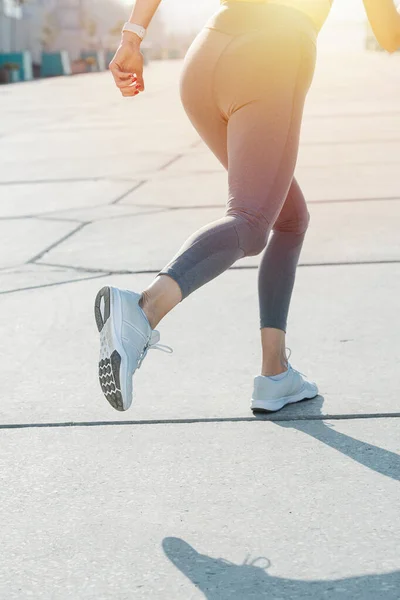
(113, 359)
(268, 406)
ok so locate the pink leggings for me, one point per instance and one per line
(243, 86)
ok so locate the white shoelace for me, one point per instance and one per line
(290, 366)
(153, 345)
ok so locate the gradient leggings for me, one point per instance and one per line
(243, 86)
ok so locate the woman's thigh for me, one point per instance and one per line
(264, 111)
(245, 96)
(197, 88)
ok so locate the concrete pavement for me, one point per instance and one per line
(187, 496)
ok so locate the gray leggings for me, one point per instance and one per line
(243, 86)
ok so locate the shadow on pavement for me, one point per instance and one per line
(219, 579)
(382, 461)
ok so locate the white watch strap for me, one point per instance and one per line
(133, 28)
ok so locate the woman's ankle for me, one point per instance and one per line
(274, 361)
(272, 369)
(145, 304)
(159, 299)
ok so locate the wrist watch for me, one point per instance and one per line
(133, 28)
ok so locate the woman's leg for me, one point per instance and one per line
(276, 280)
(255, 132)
(197, 96)
(277, 276)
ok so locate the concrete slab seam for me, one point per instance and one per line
(130, 191)
(48, 285)
(57, 243)
(234, 268)
(273, 418)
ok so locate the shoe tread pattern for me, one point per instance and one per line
(109, 365)
(110, 381)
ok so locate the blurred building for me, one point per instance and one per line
(39, 25)
(10, 14)
(72, 25)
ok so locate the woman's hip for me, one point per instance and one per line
(240, 18)
(227, 68)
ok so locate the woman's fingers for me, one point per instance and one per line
(140, 81)
(120, 77)
(130, 91)
(128, 83)
(128, 94)
(131, 85)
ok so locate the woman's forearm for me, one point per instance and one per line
(142, 14)
(385, 22)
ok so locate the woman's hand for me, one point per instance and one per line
(127, 68)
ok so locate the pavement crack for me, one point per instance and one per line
(150, 271)
(52, 181)
(352, 115)
(86, 269)
(350, 200)
(130, 191)
(53, 284)
(310, 202)
(351, 142)
(353, 263)
(170, 162)
(57, 243)
(44, 217)
(272, 418)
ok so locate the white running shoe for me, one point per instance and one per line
(271, 395)
(125, 338)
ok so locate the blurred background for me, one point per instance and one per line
(60, 37)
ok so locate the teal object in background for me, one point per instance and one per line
(23, 59)
(98, 57)
(55, 64)
(109, 56)
(14, 76)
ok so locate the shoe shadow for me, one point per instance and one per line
(373, 457)
(219, 579)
